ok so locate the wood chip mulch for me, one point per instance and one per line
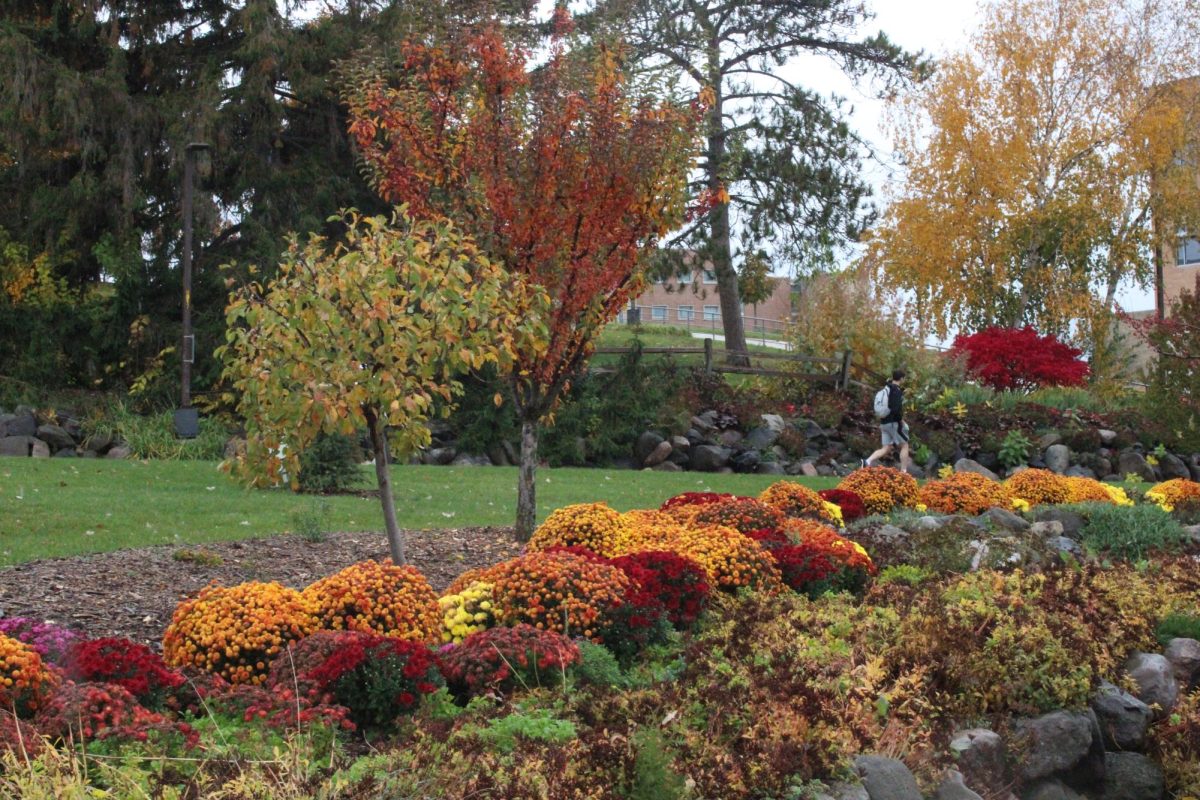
(133, 592)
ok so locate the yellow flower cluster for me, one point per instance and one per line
(1039, 487)
(650, 527)
(467, 611)
(730, 559)
(964, 493)
(833, 512)
(378, 598)
(882, 488)
(592, 525)
(1170, 494)
(25, 681)
(235, 632)
(1020, 505)
(796, 500)
(1117, 495)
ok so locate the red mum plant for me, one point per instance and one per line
(278, 707)
(678, 583)
(693, 499)
(851, 504)
(18, 737)
(86, 711)
(132, 666)
(823, 563)
(503, 659)
(1018, 358)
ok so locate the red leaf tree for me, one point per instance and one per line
(1020, 359)
(565, 174)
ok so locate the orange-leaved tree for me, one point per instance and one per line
(565, 173)
(366, 333)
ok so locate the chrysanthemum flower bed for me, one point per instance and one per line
(882, 489)
(380, 598)
(964, 493)
(592, 525)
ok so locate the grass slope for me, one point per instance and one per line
(61, 507)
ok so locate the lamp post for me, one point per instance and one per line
(187, 423)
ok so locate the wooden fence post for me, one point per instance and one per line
(844, 378)
(708, 356)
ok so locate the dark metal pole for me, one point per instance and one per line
(189, 169)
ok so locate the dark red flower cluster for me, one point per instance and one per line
(813, 568)
(1018, 358)
(104, 711)
(679, 584)
(769, 538)
(279, 707)
(849, 502)
(125, 663)
(502, 659)
(693, 499)
(18, 737)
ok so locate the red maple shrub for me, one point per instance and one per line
(125, 663)
(1020, 359)
(678, 583)
(501, 659)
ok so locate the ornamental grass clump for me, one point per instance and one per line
(882, 489)
(679, 584)
(506, 659)
(1039, 487)
(850, 503)
(592, 525)
(563, 592)
(88, 711)
(25, 680)
(1169, 494)
(467, 611)
(50, 641)
(743, 514)
(378, 598)
(236, 631)
(964, 493)
(796, 500)
(130, 665)
(730, 559)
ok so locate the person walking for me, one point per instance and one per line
(892, 427)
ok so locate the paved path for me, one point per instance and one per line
(719, 337)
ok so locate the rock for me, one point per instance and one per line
(967, 465)
(1005, 519)
(706, 421)
(1051, 790)
(746, 461)
(1048, 440)
(1195, 469)
(774, 422)
(667, 466)
(17, 446)
(1107, 436)
(916, 471)
(658, 455)
(808, 469)
(645, 445)
(847, 791)
(497, 455)
(56, 437)
(1077, 471)
(761, 438)
(120, 451)
(39, 449)
(730, 438)
(1123, 718)
(1019, 468)
(1173, 467)
(771, 468)
(440, 456)
(4, 420)
(826, 471)
(890, 533)
(1132, 776)
(66, 452)
(1184, 655)
(1047, 528)
(1064, 544)
(1072, 523)
(1156, 681)
(680, 443)
(1053, 742)
(811, 430)
(23, 423)
(1131, 461)
(1192, 532)
(1057, 458)
(929, 523)
(680, 458)
(886, 778)
(100, 441)
(469, 460)
(710, 458)
(953, 788)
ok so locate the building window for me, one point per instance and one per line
(711, 313)
(684, 279)
(658, 313)
(710, 277)
(685, 314)
(1187, 251)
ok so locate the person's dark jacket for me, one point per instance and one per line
(895, 404)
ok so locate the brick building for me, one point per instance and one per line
(692, 301)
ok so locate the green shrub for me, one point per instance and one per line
(311, 522)
(330, 464)
(598, 666)
(908, 574)
(1178, 626)
(539, 725)
(1014, 450)
(1129, 532)
(653, 778)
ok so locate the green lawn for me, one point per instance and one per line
(59, 507)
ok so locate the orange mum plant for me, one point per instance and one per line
(1170, 494)
(882, 488)
(731, 559)
(743, 514)
(234, 632)
(964, 493)
(592, 525)
(25, 680)
(558, 591)
(1039, 487)
(378, 598)
(649, 528)
(796, 500)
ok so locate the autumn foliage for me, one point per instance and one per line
(1020, 359)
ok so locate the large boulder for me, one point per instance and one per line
(1072, 522)
(1107, 436)
(1123, 718)
(658, 455)
(952, 787)
(761, 438)
(1173, 467)
(774, 422)
(1184, 655)
(1132, 776)
(979, 753)
(1131, 461)
(1057, 458)
(1004, 519)
(1155, 679)
(967, 465)
(710, 457)
(771, 468)
(1076, 471)
(23, 423)
(746, 461)
(56, 437)
(1050, 790)
(645, 445)
(18, 446)
(1053, 743)
(4, 420)
(886, 778)
(440, 456)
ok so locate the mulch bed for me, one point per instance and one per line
(134, 592)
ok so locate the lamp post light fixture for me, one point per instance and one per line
(187, 422)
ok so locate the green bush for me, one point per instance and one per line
(1178, 626)
(1129, 532)
(653, 778)
(330, 464)
(539, 725)
(1014, 449)
(598, 666)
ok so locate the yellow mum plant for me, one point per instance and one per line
(235, 632)
(378, 598)
(467, 611)
(731, 559)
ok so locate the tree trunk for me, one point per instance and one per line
(384, 479)
(527, 481)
